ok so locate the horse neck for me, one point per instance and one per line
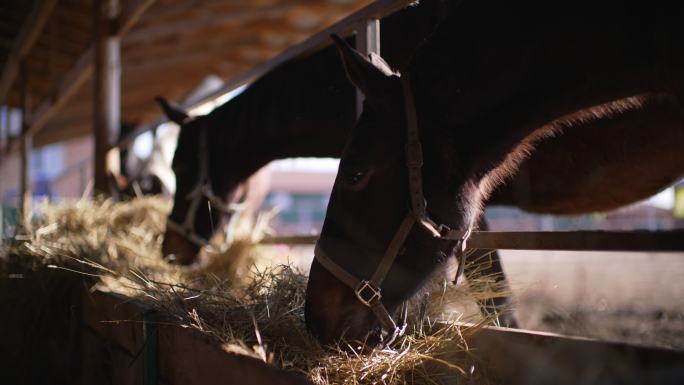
(468, 155)
(256, 138)
(488, 88)
(285, 114)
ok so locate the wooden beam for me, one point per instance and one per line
(197, 57)
(25, 153)
(375, 10)
(25, 40)
(132, 15)
(82, 70)
(106, 89)
(71, 82)
(63, 133)
(206, 20)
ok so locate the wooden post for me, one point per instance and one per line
(25, 151)
(678, 209)
(22, 44)
(4, 129)
(106, 90)
(367, 41)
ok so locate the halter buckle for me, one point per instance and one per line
(367, 287)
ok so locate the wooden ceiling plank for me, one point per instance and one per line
(188, 25)
(375, 10)
(132, 14)
(23, 43)
(81, 71)
(139, 60)
(70, 83)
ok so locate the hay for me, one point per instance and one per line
(251, 310)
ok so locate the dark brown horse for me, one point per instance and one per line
(270, 110)
(302, 108)
(306, 125)
(494, 78)
(638, 154)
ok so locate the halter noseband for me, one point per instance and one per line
(201, 190)
(369, 292)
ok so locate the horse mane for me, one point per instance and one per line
(508, 168)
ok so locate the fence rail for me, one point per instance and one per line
(653, 241)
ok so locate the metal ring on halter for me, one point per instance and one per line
(399, 330)
(375, 294)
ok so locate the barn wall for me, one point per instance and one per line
(9, 182)
(77, 158)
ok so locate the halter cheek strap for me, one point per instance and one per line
(201, 190)
(369, 292)
(414, 164)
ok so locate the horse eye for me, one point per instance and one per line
(356, 177)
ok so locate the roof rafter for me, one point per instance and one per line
(375, 10)
(25, 40)
(81, 71)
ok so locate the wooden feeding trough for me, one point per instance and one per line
(125, 343)
(120, 341)
(129, 344)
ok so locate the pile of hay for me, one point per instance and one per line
(256, 311)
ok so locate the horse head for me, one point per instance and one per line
(203, 202)
(379, 245)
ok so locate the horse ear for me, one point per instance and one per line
(175, 114)
(368, 74)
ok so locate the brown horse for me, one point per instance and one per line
(198, 212)
(306, 125)
(493, 79)
(304, 107)
(639, 155)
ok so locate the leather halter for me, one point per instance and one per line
(369, 292)
(201, 190)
